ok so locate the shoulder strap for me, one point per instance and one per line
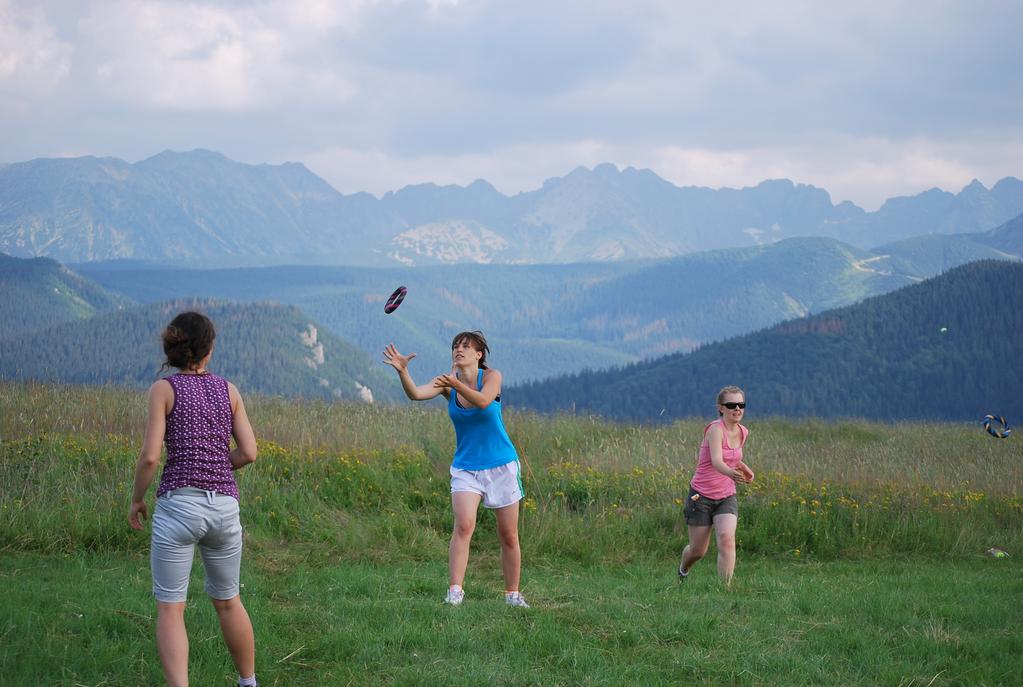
(709, 425)
(743, 433)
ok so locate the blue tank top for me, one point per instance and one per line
(481, 441)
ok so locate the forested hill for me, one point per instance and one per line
(544, 319)
(948, 348)
(41, 292)
(263, 348)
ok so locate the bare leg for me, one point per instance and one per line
(172, 642)
(724, 528)
(464, 504)
(237, 630)
(511, 555)
(699, 540)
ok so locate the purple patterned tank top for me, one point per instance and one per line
(198, 436)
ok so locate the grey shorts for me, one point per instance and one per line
(700, 511)
(186, 517)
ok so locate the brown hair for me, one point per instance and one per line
(187, 340)
(477, 340)
(729, 390)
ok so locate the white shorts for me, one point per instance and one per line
(499, 487)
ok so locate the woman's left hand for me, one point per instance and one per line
(747, 474)
(448, 381)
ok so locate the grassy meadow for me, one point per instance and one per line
(861, 553)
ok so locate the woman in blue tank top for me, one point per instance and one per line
(485, 466)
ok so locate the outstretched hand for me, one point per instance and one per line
(445, 381)
(395, 359)
(745, 472)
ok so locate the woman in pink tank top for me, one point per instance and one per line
(711, 502)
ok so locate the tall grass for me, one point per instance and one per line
(940, 456)
(369, 482)
(347, 519)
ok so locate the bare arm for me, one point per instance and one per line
(400, 363)
(478, 399)
(244, 438)
(159, 402)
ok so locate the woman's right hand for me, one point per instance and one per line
(137, 512)
(743, 474)
(395, 359)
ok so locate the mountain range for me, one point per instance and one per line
(201, 208)
(547, 321)
(603, 269)
(551, 319)
(940, 349)
(542, 320)
(944, 349)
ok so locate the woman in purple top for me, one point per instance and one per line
(195, 414)
(711, 502)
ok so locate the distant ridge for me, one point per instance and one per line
(974, 209)
(945, 349)
(1007, 238)
(200, 207)
(549, 319)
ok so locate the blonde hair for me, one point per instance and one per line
(729, 390)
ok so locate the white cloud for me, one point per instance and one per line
(865, 170)
(179, 57)
(866, 101)
(317, 16)
(168, 55)
(33, 60)
(437, 6)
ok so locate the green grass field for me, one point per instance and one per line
(861, 554)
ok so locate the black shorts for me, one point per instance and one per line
(700, 510)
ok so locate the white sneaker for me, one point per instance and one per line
(515, 599)
(454, 597)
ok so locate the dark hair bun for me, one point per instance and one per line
(187, 340)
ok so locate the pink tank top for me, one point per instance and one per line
(708, 481)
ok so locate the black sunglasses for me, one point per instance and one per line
(732, 406)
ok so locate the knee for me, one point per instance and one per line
(464, 530)
(170, 609)
(697, 552)
(227, 605)
(509, 537)
(726, 542)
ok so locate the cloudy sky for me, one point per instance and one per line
(867, 102)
